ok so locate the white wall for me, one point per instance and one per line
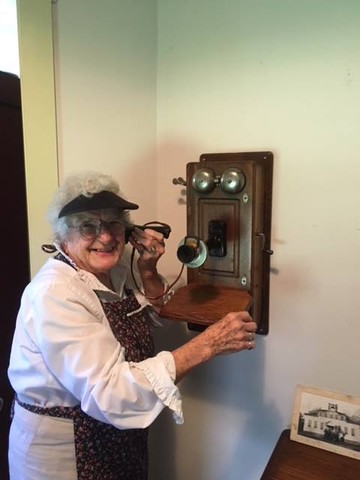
(9, 48)
(105, 63)
(246, 75)
(233, 75)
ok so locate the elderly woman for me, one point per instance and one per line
(83, 366)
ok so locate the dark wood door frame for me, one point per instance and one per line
(14, 243)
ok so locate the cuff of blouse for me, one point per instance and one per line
(160, 372)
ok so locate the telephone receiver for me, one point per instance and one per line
(157, 226)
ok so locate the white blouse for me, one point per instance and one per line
(64, 352)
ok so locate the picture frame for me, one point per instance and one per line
(327, 420)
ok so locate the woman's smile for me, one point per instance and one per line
(103, 249)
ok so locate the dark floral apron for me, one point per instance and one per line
(104, 452)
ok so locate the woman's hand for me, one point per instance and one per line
(233, 333)
(151, 246)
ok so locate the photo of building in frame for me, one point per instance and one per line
(327, 420)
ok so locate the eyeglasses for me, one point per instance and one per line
(92, 228)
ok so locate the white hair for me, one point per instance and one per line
(87, 184)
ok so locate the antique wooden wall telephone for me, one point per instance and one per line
(227, 247)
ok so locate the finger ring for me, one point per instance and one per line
(250, 345)
(152, 250)
(251, 337)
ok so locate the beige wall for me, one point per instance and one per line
(39, 122)
(234, 75)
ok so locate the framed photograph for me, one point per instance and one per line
(327, 420)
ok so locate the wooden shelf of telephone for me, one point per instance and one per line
(202, 305)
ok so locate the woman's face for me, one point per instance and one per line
(96, 241)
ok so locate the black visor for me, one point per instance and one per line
(98, 201)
